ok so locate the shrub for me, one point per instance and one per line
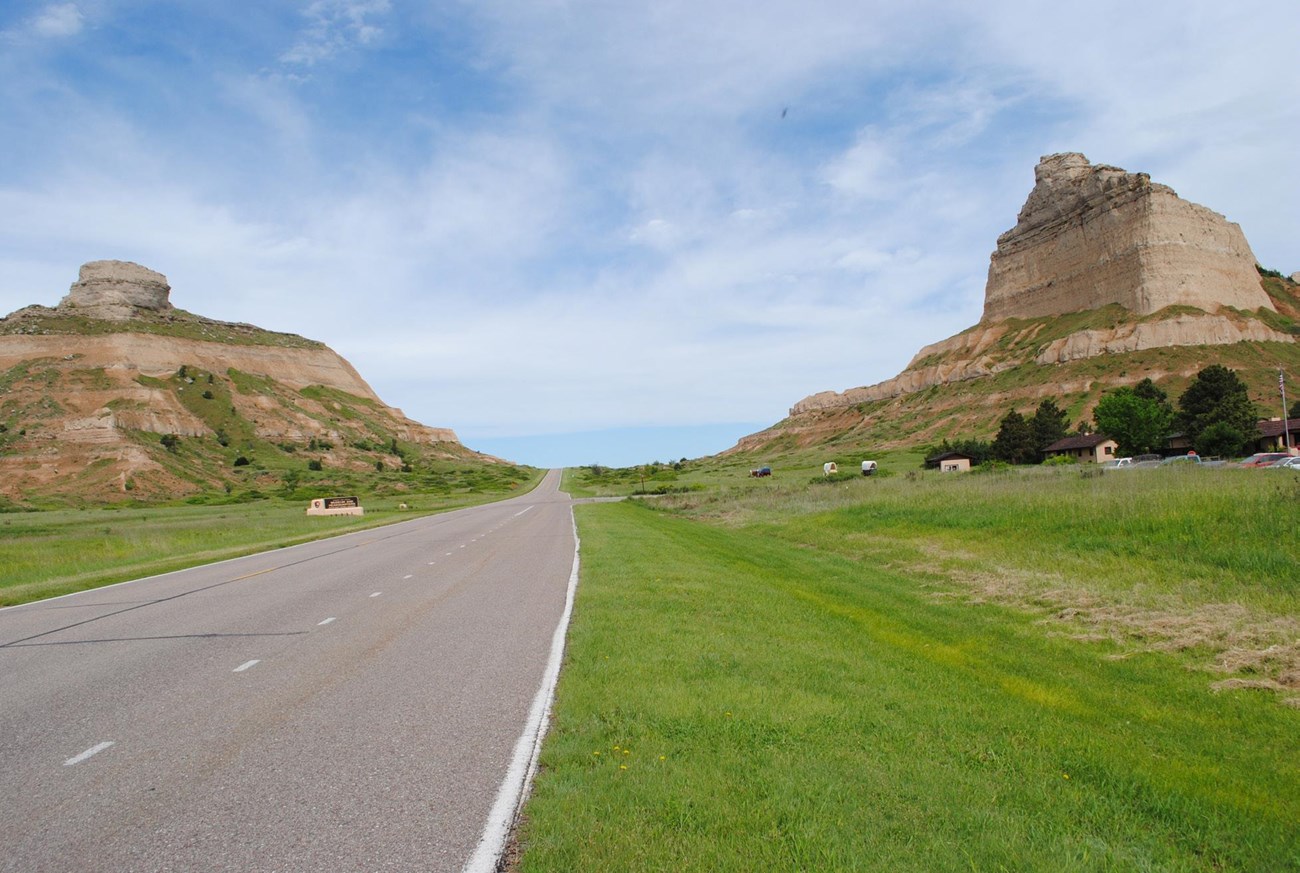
(208, 395)
(241, 461)
(1060, 461)
(170, 441)
(315, 464)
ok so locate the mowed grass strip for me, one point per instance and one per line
(731, 702)
(55, 552)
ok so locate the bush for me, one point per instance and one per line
(170, 441)
(241, 461)
(1060, 461)
(315, 464)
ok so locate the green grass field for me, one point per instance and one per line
(881, 675)
(46, 554)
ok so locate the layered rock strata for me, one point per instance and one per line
(1091, 235)
(117, 291)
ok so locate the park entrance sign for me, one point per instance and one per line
(335, 506)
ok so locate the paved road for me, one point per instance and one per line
(350, 704)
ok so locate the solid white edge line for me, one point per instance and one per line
(246, 665)
(523, 764)
(93, 750)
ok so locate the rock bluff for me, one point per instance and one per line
(1091, 235)
(116, 291)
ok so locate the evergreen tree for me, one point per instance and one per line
(1148, 390)
(1139, 424)
(1217, 396)
(1015, 440)
(1049, 424)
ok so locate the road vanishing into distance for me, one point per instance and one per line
(348, 704)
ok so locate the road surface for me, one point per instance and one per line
(349, 704)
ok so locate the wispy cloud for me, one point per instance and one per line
(51, 21)
(334, 26)
(57, 20)
(519, 218)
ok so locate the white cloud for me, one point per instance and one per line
(58, 20)
(868, 170)
(334, 26)
(620, 228)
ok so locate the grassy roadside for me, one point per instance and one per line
(766, 693)
(46, 554)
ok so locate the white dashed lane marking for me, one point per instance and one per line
(244, 666)
(377, 593)
(408, 576)
(93, 750)
(326, 621)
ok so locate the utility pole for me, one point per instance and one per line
(1286, 425)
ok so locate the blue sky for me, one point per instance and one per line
(584, 232)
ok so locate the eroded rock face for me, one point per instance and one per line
(117, 291)
(1091, 235)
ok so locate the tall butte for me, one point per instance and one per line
(1090, 235)
(117, 394)
(1101, 262)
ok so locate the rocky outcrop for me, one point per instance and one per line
(1091, 235)
(116, 291)
(87, 389)
(1181, 330)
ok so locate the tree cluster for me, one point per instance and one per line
(1215, 413)
(1023, 440)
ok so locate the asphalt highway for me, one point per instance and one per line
(349, 704)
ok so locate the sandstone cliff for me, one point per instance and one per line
(1104, 271)
(1090, 235)
(87, 389)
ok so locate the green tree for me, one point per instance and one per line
(1015, 440)
(1138, 424)
(1049, 424)
(1217, 396)
(1219, 439)
(1294, 413)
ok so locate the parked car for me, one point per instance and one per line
(1289, 463)
(1117, 463)
(1181, 459)
(1263, 459)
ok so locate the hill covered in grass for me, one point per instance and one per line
(1106, 279)
(116, 396)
